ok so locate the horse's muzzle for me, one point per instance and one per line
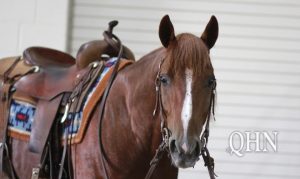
(184, 154)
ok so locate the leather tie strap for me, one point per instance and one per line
(5, 100)
(4, 114)
(4, 121)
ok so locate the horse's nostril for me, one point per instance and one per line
(173, 147)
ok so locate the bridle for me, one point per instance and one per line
(165, 132)
(208, 160)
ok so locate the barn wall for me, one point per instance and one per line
(25, 23)
(257, 65)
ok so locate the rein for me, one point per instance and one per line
(208, 160)
(108, 36)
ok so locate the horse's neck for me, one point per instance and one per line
(130, 135)
(141, 95)
(135, 88)
(128, 116)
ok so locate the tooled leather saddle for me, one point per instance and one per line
(48, 78)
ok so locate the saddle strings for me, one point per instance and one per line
(8, 85)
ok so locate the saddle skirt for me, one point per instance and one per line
(22, 109)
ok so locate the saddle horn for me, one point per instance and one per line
(111, 26)
(93, 50)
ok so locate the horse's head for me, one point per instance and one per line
(187, 83)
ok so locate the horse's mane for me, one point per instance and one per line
(188, 51)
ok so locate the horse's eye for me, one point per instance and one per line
(165, 79)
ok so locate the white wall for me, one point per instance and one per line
(25, 23)
(257, 65)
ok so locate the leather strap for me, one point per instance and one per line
(208, 160)
(46, 112)
(103, 156)
(165, 132)
(156, 159)
(4, 114)
(9, 166)
(75, 102)
(4, 121)
(5, 100)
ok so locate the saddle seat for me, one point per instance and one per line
(49, 82)
(47, 58)
(56, 73)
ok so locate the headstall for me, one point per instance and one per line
(208, 160)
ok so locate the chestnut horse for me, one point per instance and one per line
(130, 132)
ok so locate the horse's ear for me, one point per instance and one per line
(211, 32)
(166, 31)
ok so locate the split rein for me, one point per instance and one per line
(163, 147)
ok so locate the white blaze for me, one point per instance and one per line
(186, 112)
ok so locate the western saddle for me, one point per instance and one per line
(48, 78)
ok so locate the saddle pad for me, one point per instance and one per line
(22, 113)
(20, 119)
